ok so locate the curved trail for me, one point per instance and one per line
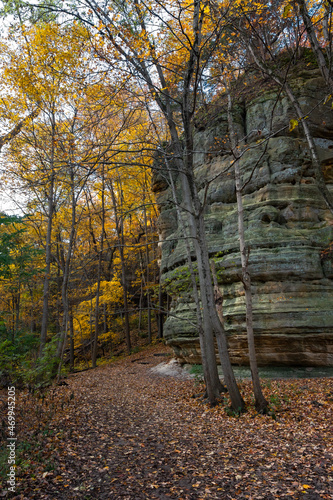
(131, 434)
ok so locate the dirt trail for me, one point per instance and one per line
(131, 434)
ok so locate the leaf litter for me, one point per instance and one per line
(122, 431)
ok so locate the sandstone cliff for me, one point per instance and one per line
(288, 225)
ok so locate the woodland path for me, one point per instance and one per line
(130, 434)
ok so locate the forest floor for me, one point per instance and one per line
(122, 431)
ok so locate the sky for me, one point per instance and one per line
(9, 202)
(10, 198)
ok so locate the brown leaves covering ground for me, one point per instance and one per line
(121, 432)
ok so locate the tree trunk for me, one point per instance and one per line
(141, 294)
(119, 220)
(191, 74)
(207, 347)
(211, 322)
(160, 314)
(43, 333)
(327, 195)
(94, 352)
(260, 401)
(67, 271)
(4, 139)
(17, 308)
(71, 342)
(147, 273)
(96, 329)
(315, 44)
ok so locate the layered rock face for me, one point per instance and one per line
(288, 226)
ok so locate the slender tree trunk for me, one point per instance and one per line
(315, 44)
(43, 333)
(327, 30)
(96, 330)
(67, 271)
(105, 319)
(4, 139)
(71, 342)
(208, 356)
(160, 315)
(192, 72)
(155, 277)
(119, 220)
(147, 273)
(260, 402)
(32, 329)
(141, 295)
(211, 321)
(195, 213)
(17, 308)
(60, 269)
(91, 329)
(94, 354)
(125, 295)
(327, 195)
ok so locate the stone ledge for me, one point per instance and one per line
(272, 350)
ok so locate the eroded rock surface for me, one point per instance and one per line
(288, 225)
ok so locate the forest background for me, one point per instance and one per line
(91, 95)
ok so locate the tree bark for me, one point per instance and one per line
(119, 220)
(211, 321)
(94, 351)
(208, 357)
(71, 342)
(4, 139)
(319, 176)
(67, 269)
(192, 69)
(147, 273)
(315, 44)
(260, 402)
(160, 314)
(43, 333)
